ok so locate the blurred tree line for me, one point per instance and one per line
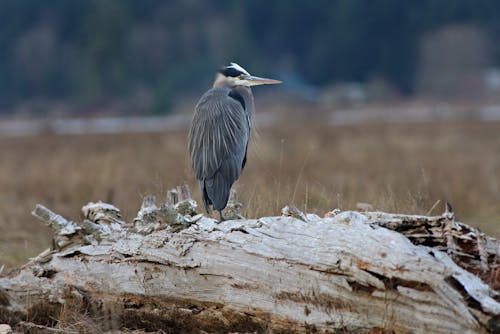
(88, 51)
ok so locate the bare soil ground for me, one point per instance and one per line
(397, 167)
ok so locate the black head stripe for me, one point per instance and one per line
(230, 72)
(238, 97)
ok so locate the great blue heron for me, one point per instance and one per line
(220, 131)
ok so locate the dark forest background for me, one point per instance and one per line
(150, 53)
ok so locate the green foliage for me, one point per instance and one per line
(104, 49)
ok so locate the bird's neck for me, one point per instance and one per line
(220, 81)
(246, 92)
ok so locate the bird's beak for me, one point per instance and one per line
(251, 80)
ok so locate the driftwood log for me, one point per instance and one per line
(181, 272)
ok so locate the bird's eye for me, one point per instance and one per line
(241, 76)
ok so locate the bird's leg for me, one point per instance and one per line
(221, 216)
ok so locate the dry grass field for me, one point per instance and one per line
(395, 167)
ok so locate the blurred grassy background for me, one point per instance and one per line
(398, 167)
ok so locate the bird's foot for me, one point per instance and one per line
(221, 217)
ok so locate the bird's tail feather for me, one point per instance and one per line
(217, 190)
(204, 196)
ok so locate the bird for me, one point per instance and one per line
(220, 131)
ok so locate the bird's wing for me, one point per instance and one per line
(219, 136)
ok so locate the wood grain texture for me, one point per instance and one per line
(342, 272)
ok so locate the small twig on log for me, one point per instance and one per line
(172, 197)
(64, 229)
(292, 211)
(184, 192)
(449, 217)
(43, 257)
(59, 224)
(100, 219)
(364, 207)
(483, 255)
(332, 213)
(186, 206)
(433, 207)
(148, 202)
(102, 213)
(174, 213)
(147, 215)
(233, 208)
(29, 327)
(448, 212)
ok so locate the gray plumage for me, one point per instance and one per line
(217, 144)
(219, 134)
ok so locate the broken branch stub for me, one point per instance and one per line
(173, 214)
(59, 224)
(233, 208)
(172, 197)
(467, 246)
(350, 271)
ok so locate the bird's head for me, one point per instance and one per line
(235, 75)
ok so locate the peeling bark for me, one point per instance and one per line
(174, 269)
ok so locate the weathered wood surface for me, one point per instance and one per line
(171, 268)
